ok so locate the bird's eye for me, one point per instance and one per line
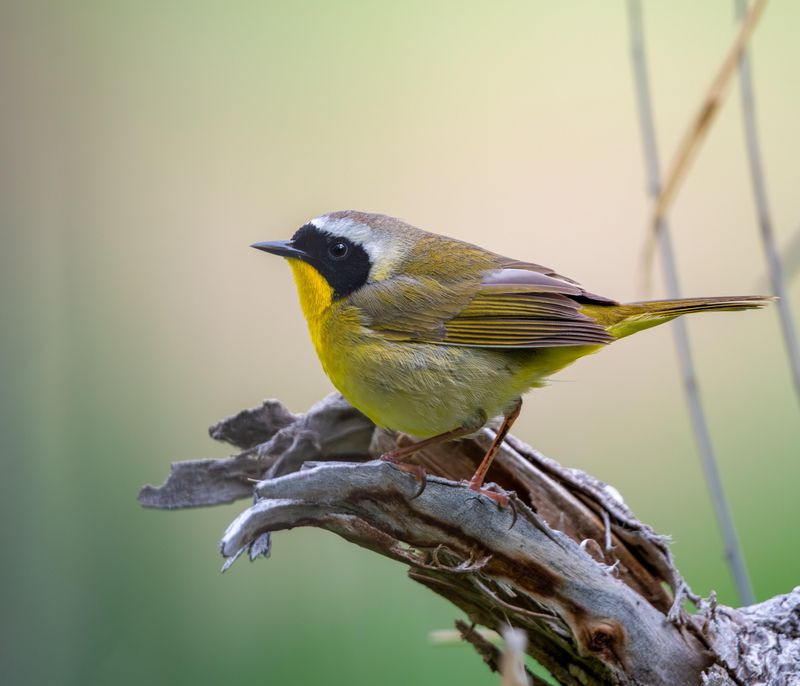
(338, 250)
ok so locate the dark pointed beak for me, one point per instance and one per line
(282, 248)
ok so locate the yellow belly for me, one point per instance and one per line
(418, 388)
(424, 389)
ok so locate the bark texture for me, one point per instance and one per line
(594, 589)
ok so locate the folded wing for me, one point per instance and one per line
(517, 305)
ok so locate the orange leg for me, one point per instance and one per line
(476, 482)
(397, 455)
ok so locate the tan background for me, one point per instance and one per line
(145, 145)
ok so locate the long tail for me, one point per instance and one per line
(623, 320)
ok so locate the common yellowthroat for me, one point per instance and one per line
(433, 336)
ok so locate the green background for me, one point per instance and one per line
(145, 145)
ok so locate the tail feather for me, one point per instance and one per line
(623, 320)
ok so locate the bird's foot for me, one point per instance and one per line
(491, 491)
(415, 470)
(400, 452)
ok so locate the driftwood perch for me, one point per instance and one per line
(594, 589)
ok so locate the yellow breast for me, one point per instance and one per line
(316, 297)
(335, 330)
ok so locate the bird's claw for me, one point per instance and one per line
(492, 491)
(416, 471)
(504, 499)
(500, 497)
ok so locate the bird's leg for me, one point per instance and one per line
(400, 454)
(397, 455)
(476, 482)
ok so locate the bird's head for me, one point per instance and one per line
(346, 249)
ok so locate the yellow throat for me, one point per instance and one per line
(316, 297)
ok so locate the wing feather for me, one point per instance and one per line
(516, 305)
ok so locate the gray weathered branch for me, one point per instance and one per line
(594, 589)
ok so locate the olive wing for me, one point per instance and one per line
(518, 306)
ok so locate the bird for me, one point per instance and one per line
(433, 337)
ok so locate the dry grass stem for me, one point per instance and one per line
(702, 435)
(774, 264)
(698, 128)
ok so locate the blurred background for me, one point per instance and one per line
(145, 145)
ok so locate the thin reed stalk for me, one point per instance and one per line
(699, 126)
(733, 551)
(774, 264)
